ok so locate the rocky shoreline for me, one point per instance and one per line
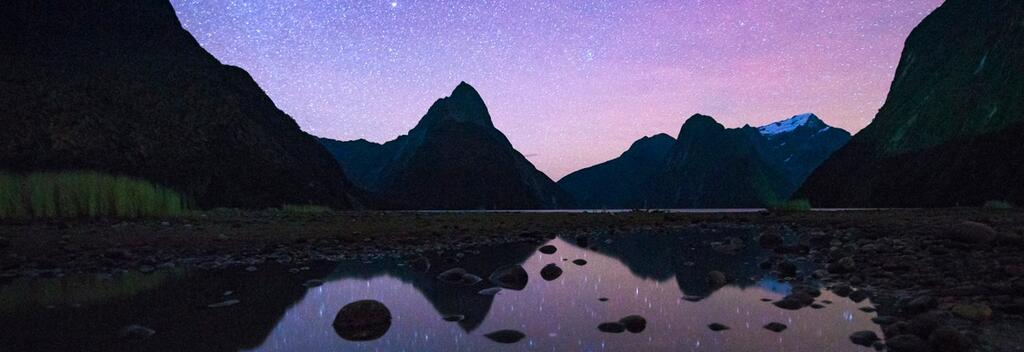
(941, 280)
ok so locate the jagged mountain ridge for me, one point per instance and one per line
(453, 159)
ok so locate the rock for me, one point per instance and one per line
(921, 304)
(883, 319)
(634, 323)
(971, 232)
(794, 301)
(692, 298)
(458, 276)
(842, 290)
(421, 264)
(611, 327)
(512, 277)
(947, 339)
(776, 327)
(227, 303)
(731, 246)
(906, 343)
(489, 291)
(973, 311)
(864, 338)
(251, 268)
(580, 262)
(453, 317)
(717, 278)
(770, 240)
(843, 265)
(807, 290)
(582, 241)
(505, 336)
(548, 249)
(603, 299)
(717, 327)
(364, 320)
(786, 268)
(135, 332)
(859, 295)
(550, 272)
(146, 269)
(313, 283)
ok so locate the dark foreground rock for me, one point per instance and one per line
(505, 336)
(512, 277)
(362, 321)
(550, 272)
(634, 323)
(611, 327)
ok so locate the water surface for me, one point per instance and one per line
(642, 274)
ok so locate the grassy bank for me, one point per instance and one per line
(83, 194)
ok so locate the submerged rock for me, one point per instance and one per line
(362, 321)
(458, 276)
(776, 327)
(717, 327)
(548, 249)
(580, 262)
(611, 327)
(634, 323)
(512, 277)
(550, 272)
(505, 336)
(864, 338)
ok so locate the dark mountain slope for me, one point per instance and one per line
(121, 87)
(949, 132)
(453, 159)
(623, 182)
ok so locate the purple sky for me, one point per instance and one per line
(571, 83)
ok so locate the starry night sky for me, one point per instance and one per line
(571, 83)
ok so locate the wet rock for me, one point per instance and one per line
(864, 338)
(973, 311)
(580, 262)
(807, 290)
(548, 249)
(550, 272)
(717, 278)
(947, 339)
(906, 343)
(421, 264)
(135, 332)
(859, 295)
(794, 301)
(842, 290)
(776, 327)
(921, 304)
(512, 277)
(223, 304)
(505, 336)
(603, 299)
(717, 327)
(971, 232)
(816, 306)
(364, 320)
(453, 317)
(786, 268)
(769, 240)
(611, 327)
(489, 291)
(313, 283)
(634, 323)
(582, 241)
(883, 319)
(843, 265)
(458, 276)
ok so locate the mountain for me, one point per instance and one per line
(621, 182)
(453, 159)
(120, 87)
(709, 166)
(950, 129)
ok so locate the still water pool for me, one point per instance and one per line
(660, 277)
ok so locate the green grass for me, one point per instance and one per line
(304, 209)
(795, 205)
(998, 205)
(77, 194)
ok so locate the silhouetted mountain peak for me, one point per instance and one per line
(806, 120)
(463, 105)
(699, 124)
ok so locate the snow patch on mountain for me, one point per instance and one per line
(786, 125)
